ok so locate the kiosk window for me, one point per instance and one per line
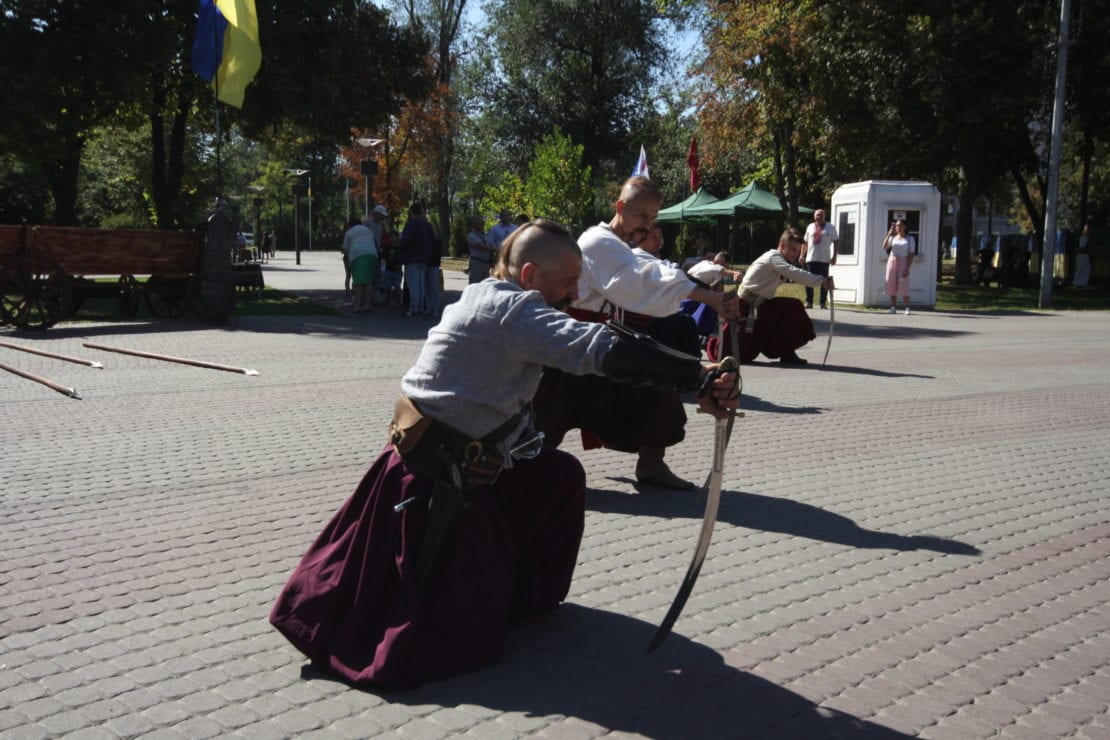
(846, 229)
(913, 224)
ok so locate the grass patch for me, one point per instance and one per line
(272, 302)
(275, 302)
(979, 298)
(951, 297)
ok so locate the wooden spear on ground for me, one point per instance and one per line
(63, 389)
(169, 358)
(90, 363)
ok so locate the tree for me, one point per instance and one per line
(841, 91)
(330, 65)
(588, 72)
(507, 192)
(558, 185)
(65, 69)
(442, 21)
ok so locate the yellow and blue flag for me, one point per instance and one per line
(226, 48)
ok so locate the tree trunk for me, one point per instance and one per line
(964, 226)
(175, 167)
(791, 174)
(1087, 152)
(780, 180)
(62, 176)
(167, 165)
(1036, 215)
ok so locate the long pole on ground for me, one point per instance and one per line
(1048, 251)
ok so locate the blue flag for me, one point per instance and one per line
(208, 42)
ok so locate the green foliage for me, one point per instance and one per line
(506, 192)
(65, 68)
(24, 194)
(327, 66)
(586, 72)
(558, 185)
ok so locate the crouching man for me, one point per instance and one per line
(467, 523)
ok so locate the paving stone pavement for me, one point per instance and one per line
(913, 541)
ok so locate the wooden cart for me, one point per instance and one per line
(47, 271)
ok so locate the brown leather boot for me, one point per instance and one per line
(651, 470)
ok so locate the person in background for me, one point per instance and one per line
(1083, 259)
(480, 253)
(415, 253)
(376, 222)
(391, 269)
(361, 250)
(772, 325)
(500, 230)
(714, 269)
(819, 252)
(900, 249)
(433, 279)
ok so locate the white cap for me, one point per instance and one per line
(381, 210)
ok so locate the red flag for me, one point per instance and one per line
(692, 163)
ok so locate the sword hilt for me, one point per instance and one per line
(726, 365)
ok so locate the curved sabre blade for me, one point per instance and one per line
(709, 518)
(832, 323)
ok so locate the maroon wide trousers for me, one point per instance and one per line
(353, 606)
(782, 327)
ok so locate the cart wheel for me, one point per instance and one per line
(35, 292)
(167, 297)
(128, 296)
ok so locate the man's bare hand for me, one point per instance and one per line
(728, 305)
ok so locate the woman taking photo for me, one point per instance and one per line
(900, 249)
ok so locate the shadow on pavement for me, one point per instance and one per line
(769, 514)
(589, 664)
(904, 330)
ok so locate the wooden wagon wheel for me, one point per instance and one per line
(128, 296)
(167, 297)
(35, 292)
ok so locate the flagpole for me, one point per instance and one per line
(216, 108)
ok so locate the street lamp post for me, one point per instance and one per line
(257, 218)
(369, 167)
(298, 191)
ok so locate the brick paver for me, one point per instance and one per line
(912, 541)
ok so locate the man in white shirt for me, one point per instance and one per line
(714, 269)
(819, 251)
(616, 279)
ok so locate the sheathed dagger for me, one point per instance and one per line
(709, 518)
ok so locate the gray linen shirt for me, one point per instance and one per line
(482, 363)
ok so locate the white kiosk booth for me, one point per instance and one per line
(862, 213)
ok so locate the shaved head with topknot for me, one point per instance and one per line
(540, 241)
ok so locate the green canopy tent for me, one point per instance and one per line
(676, 213)
(752, 200)
(748, 205)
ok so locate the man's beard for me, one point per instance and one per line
(563, 305)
